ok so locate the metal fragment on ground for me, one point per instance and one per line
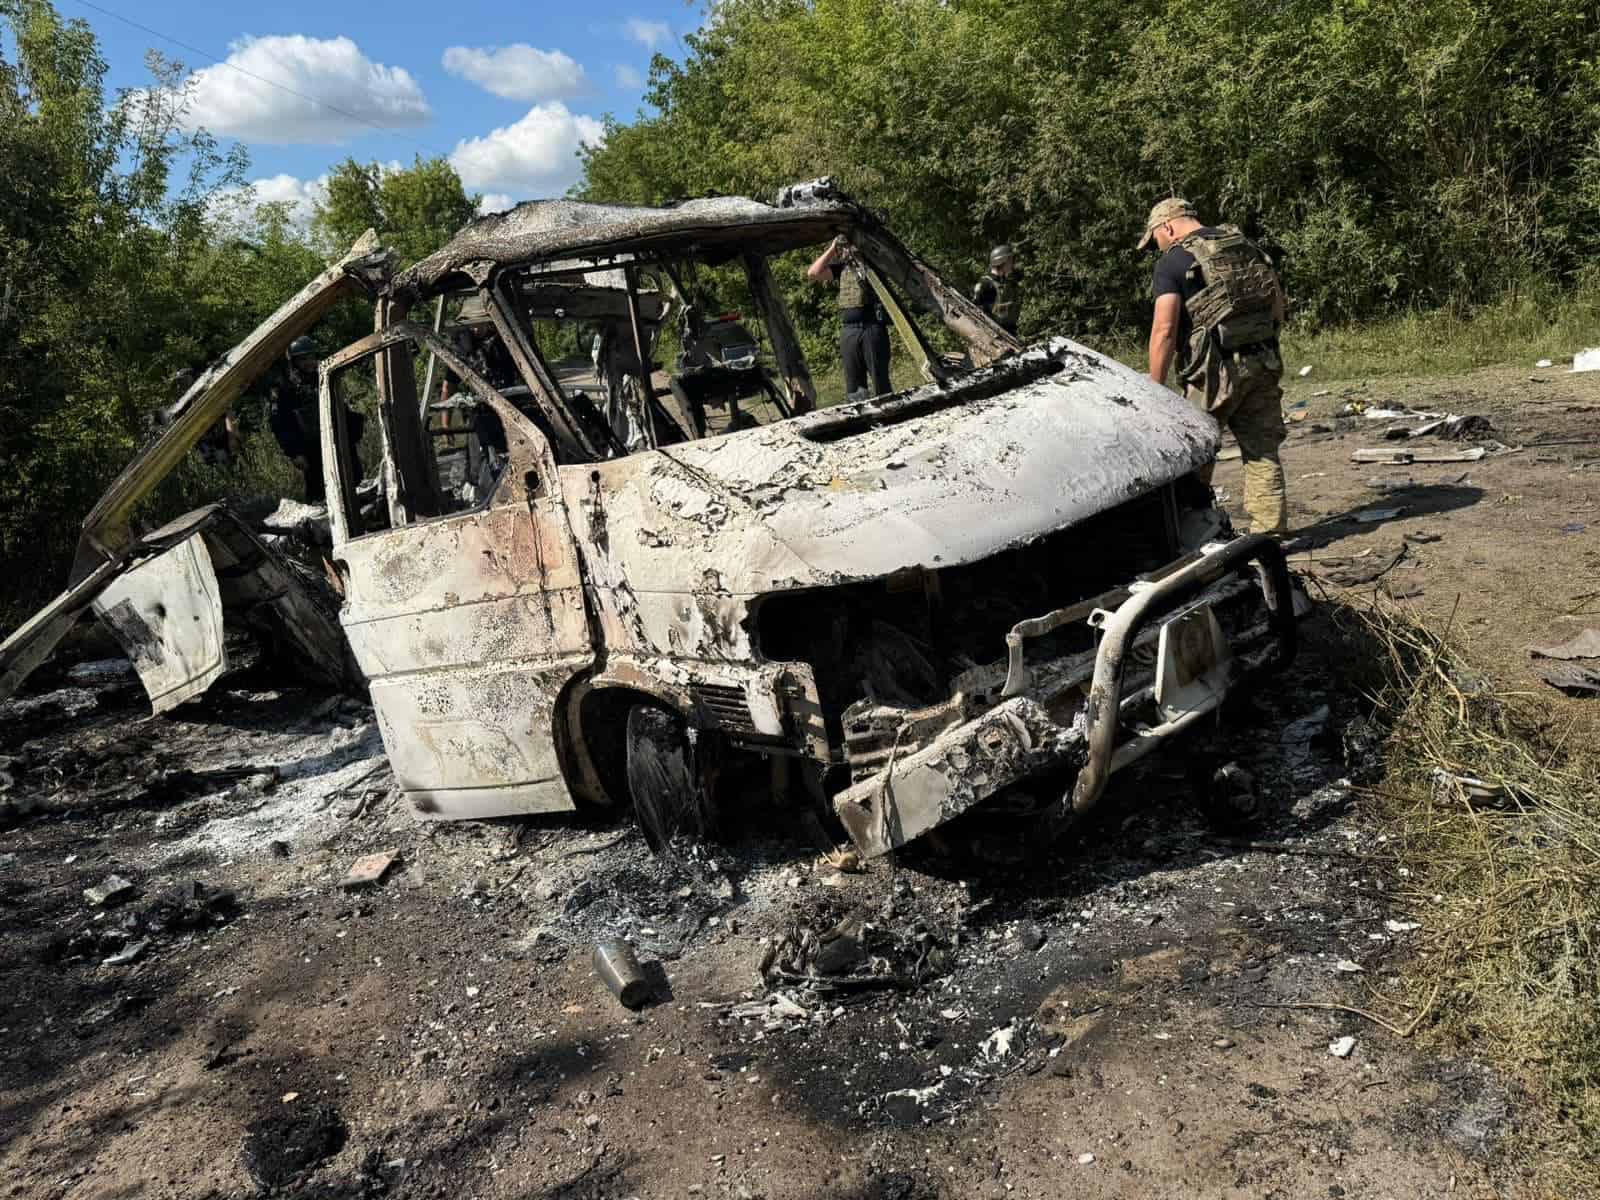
(369, 869)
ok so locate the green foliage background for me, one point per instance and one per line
(1414, 159)
(129, 250)
(1396, 153)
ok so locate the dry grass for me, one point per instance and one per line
(1497, 816)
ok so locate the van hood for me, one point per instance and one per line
(935, 477)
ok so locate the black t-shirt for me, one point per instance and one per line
(1172, 278)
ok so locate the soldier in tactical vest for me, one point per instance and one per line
(863, 323)
(999, 293)
(1218, 306)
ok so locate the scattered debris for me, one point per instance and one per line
(1387, 485)
(619, 970)
(852, 954)
(104, 672)
(108, 891)
(1573, 678)
(1584, 645)
(1572, 666)
(1469, 788)
(1394, 926)
(1574, 527)
(1407, 457)
(999, 1043)
(1586, 360)
(1455, 429)
(369, 869)
(1305, 370)
(1422, 537)
(1361, 569)
(1347, 966)
(127, 954)
(1368, 516)
(1543, 363)
(1342, 1047)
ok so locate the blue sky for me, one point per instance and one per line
(506, 91)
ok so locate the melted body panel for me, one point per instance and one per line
(469, 627)
(678, 540)
(169, 612)
(166, 614)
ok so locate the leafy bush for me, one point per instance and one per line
(1396, 153)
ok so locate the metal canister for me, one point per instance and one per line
(620, 971)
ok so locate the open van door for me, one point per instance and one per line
(108, 545)
(466, 614)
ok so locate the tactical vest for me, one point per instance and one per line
(854, 291)
(1234, 310)
(1007, 300)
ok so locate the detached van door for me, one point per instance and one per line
(108, 544)
(468, 624)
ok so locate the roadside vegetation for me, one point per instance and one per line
(1492, 806)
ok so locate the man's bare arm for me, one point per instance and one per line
(821, 271)
(1164, 336)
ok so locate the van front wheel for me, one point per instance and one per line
(664, 781)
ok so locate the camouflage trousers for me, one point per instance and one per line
(1244, 396)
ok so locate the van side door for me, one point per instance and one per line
(468, 624)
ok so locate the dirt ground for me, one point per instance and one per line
(1116, 1020)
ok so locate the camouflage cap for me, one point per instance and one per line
(1164, 211)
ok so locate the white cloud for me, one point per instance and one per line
(494, 202)
(628, 77)
(348, 92)
(536, 156)
(301, 195)
(648, 34)
(518, 72)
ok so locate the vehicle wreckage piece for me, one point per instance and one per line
(1054, 724)
(108, 547)
(168, 612)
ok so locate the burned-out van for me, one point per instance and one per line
(619, 555)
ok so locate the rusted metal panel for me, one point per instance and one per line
(470, 625)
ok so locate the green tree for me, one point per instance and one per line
(415, 209)
(100, 237)
(1395, 152)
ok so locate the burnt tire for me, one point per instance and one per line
(663, 782)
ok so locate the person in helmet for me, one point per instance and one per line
(292, 416)
(1218, 307)
(999, 293)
